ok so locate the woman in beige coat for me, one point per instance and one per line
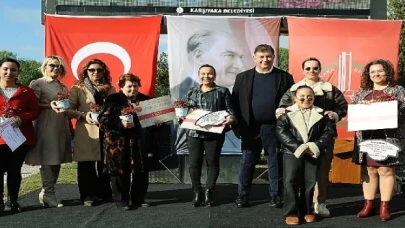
(93, 87)
(52, 128)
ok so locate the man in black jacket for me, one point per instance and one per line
(256, 94)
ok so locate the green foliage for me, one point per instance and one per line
(283, 59)
(162, 80)
(29, 68)
(29, 71)
(396, 11)
(7, 54)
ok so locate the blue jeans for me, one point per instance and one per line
(252, 146)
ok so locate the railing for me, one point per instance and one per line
(313, 4)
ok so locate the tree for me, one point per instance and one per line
(396, 11)
(29, 68)
(7, 54)
(283, 59)
(162, 80)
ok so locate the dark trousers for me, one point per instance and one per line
(212, 148)
(252, 145)
(123, 190)
(299, 176)
(92, 181)
(11, 162)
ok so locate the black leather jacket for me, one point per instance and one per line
(295, 139)
(220, 100)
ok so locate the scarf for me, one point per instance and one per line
(98, 90)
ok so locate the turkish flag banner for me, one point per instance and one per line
(125, 44)
(344, 47)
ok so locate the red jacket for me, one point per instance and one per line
(27, 109)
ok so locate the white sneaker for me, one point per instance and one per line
(321, 210)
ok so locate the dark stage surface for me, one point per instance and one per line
(171, 207)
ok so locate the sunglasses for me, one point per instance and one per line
(313, 68)
(55, 66)
(308, 99)
(92, 70)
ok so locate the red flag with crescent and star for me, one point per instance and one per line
(125, 44)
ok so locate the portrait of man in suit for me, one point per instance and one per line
(214, 47)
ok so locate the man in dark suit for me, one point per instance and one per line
(255, 97)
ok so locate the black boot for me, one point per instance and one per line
(209, 201)
(197, 199)
(242, 201)
(15, 207)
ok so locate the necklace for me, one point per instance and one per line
(306, 115)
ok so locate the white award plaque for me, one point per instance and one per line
(379, 149)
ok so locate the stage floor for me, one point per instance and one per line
(171, 207)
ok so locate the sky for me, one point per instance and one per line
(23, 33)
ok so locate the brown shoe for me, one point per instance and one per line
(310, 218)
(292, 220)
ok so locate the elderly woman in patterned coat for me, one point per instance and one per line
(122, 144)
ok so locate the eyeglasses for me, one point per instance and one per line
(92, 70)
(313, 68)
(55, 66)
(302, 99)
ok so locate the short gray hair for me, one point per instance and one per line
(204, 39)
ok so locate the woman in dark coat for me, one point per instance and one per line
(304, 133)
(123, 145)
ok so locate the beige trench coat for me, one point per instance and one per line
(53, 146)
(87, 144)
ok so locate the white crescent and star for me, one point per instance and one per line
(100, 48)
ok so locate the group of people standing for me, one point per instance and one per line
(295, 125)
(107, 150)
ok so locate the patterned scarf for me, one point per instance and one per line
(97, 89)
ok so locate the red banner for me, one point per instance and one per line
(344, 47)
(126, 45)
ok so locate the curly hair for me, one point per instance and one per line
(367, 83)
(84, 74)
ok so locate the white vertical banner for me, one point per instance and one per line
(226, 43)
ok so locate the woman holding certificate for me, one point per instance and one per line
(18, 106)
(125, 146)
(378, 85)
(210, 97)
